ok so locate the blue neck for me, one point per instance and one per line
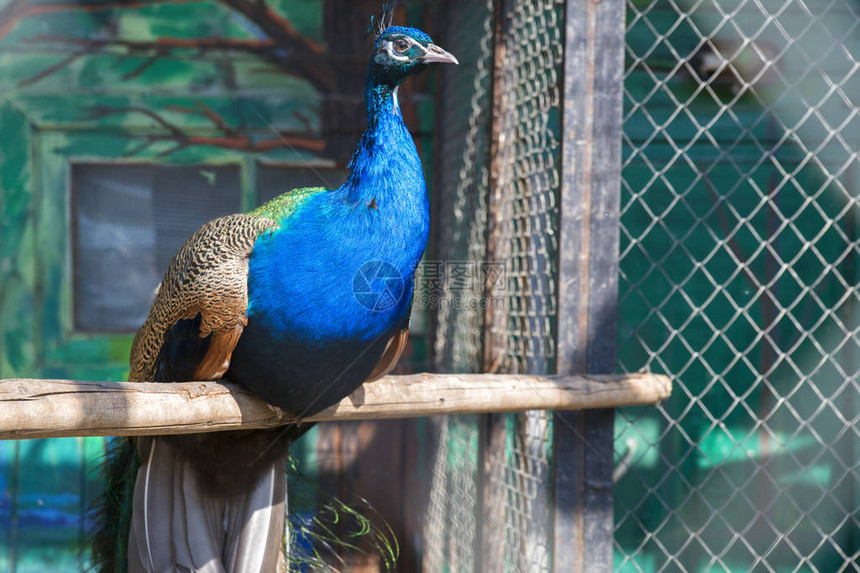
(302, 277)
(381, 100)
(385, 165)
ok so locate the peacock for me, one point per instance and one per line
(300, 301)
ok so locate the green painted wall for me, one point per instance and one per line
(182, 82)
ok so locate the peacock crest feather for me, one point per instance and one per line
(378, 24)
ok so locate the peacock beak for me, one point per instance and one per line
(435, 54)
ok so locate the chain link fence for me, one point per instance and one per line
(739, 269)
(500, 223)
(739, 266)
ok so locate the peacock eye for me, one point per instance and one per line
(401, 45)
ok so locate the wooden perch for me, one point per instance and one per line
(59, 408)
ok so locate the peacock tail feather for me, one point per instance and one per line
(112, 510)
(323, 530)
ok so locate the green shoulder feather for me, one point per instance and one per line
(285, 205)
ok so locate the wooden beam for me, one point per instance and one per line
(589, 212)
(61, 408)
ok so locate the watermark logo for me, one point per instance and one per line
(460, 285)
(378, 285)
(461, 276)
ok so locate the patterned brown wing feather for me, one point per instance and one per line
(208, 276)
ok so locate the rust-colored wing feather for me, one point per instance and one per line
(207, 277)
(390, 356)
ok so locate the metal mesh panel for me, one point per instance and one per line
(527, 487)
(501, 222)
(524, 197)
(461, 199)
(461, 192)
(739, 252)
(449, 530)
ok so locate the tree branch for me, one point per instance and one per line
(100, 112)
(280, 45)
(307, 67)
(260, 145)
(53, 69)
(164, 44)
(144, 66)
(283, 45)
(157, 48)
(20, 9)
(274, 24)
(230, 138)
(209, 113)
(290, 44)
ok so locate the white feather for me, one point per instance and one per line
(264, 514)
(146, 505)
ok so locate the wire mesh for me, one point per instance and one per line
(461, 191)
(499, 207)
(738, 257)
(460, 197)
(739, 252)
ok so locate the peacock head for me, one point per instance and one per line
(401, 52)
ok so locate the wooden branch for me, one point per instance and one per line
(282, 45)
(11, 15)
(231, 138)
(60, 408)
(160, 45)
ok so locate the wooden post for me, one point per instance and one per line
(588, 270)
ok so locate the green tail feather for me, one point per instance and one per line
(111, 515)
(325, 540)
(325, 532)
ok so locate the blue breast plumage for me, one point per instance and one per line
(329, 287)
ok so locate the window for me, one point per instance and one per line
(128, 222)
(130, 219)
